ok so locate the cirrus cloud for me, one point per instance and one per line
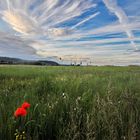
(70, 29)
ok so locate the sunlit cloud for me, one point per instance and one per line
(20, 22)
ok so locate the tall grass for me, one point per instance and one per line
(72, 103)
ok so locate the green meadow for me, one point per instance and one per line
(71, 103)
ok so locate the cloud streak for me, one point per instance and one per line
(85, 20)
(123, 19)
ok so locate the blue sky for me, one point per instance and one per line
(100, 32)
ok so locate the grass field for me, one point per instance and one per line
(71, 103)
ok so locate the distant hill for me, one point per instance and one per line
(16, 61)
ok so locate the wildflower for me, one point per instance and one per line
(74, 109)
(25, 105)
(64, 95)
(79, 98)
(20, 112)
(20, 135)
(119, 102)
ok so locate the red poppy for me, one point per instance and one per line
(20, 112)
(25, 105)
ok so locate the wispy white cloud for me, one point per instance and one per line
(25, 22)
(36, 30)
(85, 20)
(70, 10)
(123, 19)
(105, 30)
(81, 47)
(20, 22)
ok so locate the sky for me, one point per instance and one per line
(97, 32)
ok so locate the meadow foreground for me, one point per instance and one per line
(70, 103)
